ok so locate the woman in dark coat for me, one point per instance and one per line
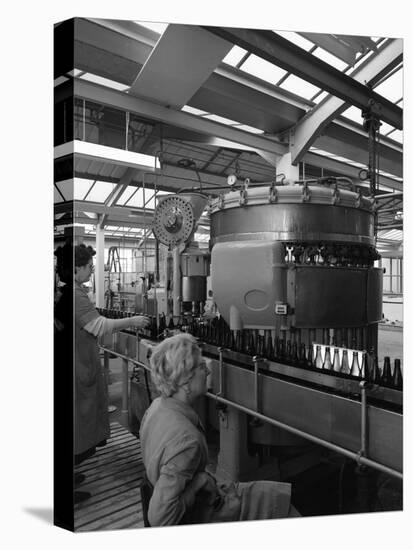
(175, 452)
(78, 326)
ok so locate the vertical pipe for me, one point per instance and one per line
(125, 392)
(363, 449)
(176, 283)
(255, 360)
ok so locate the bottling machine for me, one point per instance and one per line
(293, 343)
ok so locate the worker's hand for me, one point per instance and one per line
(139, 321)
(205, 482)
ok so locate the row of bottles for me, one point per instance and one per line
(334, 361)
(369, 368)
(151, 331)
(329, 254)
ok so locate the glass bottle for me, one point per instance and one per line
(327, 359)
(376, 370)
(288, 351)
(294, 353)
(386, 377)
(281, 349)
(336, 360)
(364, 366)
(355, 366)
(397, 375)
(269, 347)
(318, 358)
(310, 356)
(345, 367)
(302, 359)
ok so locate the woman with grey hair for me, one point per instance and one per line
(175, 452)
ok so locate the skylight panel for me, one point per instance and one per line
(330, 59)
(126, 195)
(397, 135)
(80, 188)
(263, 69)
(100, 191)
(386, 128)
(319, 97)
(57, 196)
(220, 119)
(234, 56)
(296, 39)
(193, 111)
(75, 72)
(137, 199)
(156, 27)
(353, 113)
(59, 80)
(66, 189)
(249, 128)
(392, 88)
(104, 81)
(299, 86)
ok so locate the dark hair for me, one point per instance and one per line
(69, 257)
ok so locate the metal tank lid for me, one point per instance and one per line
(293, 193)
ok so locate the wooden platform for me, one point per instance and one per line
(113, 476)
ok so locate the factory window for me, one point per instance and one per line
(393, 276)
(99, 124)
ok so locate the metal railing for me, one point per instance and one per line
(359, 457)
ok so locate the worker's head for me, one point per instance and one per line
(74, 260)
(178, 367)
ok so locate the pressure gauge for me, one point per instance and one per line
(232, 179)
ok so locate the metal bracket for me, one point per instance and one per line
(336, 195)
(358, 199)
(273, 195)
(243, 194)
(306, 193)
(221, 201)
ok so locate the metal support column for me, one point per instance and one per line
(285, 167)
(100, 266)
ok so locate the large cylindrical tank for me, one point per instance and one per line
(295, 257)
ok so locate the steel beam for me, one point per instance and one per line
(312, 125)
(285, 54)
(119, 100)
(340, 168)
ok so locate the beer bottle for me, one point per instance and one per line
(269, 347)
(355, 367)
(302, 359)
(310, 356)
(345, 367)
(376, 370)
(318, 358)
(386, 377)
(364, 366)
(288, 351)
(281, 349)
(327, 359)
(294, 353)
(397, 375)
(336, 361)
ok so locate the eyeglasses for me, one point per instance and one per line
(203, 366)
(91, 267)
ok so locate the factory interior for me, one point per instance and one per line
(245, 186)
